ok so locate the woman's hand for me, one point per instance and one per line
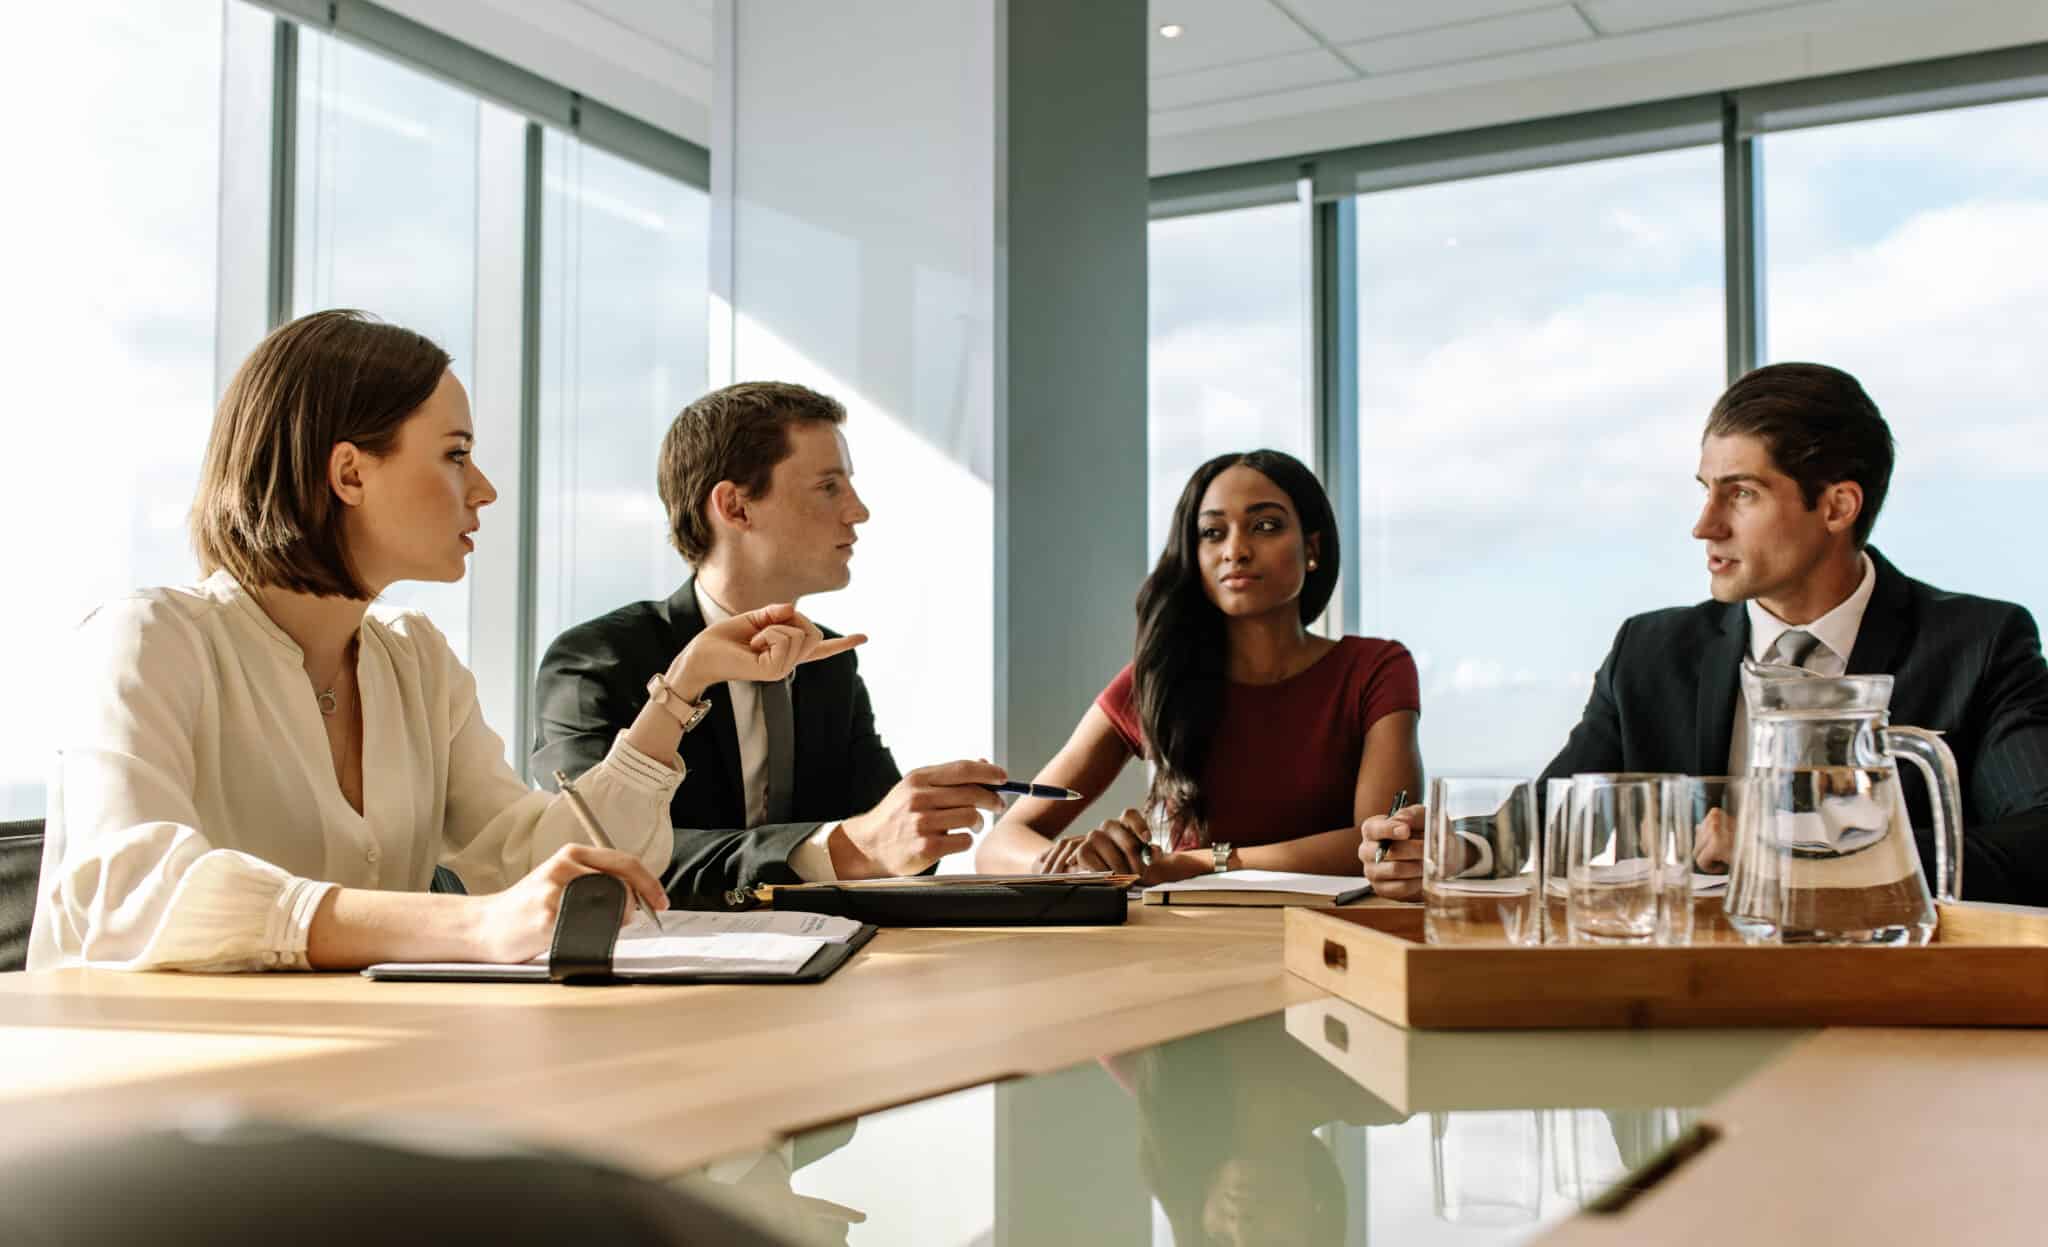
(1120, 846)
(761, 645)
(518, 923)
(1395, 874)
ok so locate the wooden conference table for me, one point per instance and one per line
(1850, 1135)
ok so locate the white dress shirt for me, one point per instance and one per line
(811, 860)
(1836, 631)
(195, 821)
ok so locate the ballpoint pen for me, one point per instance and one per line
(1044, 792)
(602, 841)
(1379, 855)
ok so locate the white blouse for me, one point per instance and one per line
(195, 822)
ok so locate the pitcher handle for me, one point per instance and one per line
(1937, 764)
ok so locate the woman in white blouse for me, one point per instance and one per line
(259, 771)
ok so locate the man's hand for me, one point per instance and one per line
(923, 818)
(1396, 874)
(1713, 844)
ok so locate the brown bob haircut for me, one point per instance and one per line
(1820, 428)
(736, 434)
(264, 511)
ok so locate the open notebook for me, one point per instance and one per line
(690, 945)
(1253, 887)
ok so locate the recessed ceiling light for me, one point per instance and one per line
(1170, 31)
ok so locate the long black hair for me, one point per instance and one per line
(1179, 666)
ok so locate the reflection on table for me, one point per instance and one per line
(1320, 1126)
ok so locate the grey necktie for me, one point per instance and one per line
(776, 712)
(1793, 647)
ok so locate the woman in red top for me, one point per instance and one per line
(1269, 745)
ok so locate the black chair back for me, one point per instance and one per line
(21, 867)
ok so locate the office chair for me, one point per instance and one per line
(21, 866)
(233, 1179)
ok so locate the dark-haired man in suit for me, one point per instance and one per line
(1795, 462)
(786, 781)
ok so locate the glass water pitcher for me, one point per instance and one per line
(1830, 820)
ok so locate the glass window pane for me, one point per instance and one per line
(623, 332)
(1908, 252)
(1537, 352)
(386, 200)
(1228, 345)
(108, 241)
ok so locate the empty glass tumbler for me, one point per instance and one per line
(1629, 860)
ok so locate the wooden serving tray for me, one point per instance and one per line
(1987, 966)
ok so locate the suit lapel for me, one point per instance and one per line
(1720, 665)
(1887, 623)
(686, 621)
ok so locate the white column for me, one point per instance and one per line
(934, 210)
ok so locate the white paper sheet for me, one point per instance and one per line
(1264, 881)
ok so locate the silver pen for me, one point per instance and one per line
(602, 841)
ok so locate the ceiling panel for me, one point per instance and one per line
(1616, 17)
(1490, 37)
(1221, 32)
(684, 28)
(1279, 73)
(1349, 21)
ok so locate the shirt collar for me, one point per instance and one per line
(714, 613)
(1837, 629)
(707, 605)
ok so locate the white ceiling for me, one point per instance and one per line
(1254, 79)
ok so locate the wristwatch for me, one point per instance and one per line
(686, 712)
(1222, 855)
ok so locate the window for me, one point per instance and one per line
(386, 222)
(108, 240)
(1537, 353)
(623, 334)
(1229, 345)
(1908, 251)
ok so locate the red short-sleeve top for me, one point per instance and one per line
(1284, 763)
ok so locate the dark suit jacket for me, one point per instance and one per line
(591, 686)
(1664, 700)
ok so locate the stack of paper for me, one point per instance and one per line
(1253, 887)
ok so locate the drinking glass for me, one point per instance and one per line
(1754, 904)
(1487, 1168)
(1629, 860)
(1715, 806)
(1557, 825)
(1482, 864)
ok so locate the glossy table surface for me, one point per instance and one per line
(1316, 1125)
(1087, 1085)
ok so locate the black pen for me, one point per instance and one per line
(1379, 855)
(1044, 792)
